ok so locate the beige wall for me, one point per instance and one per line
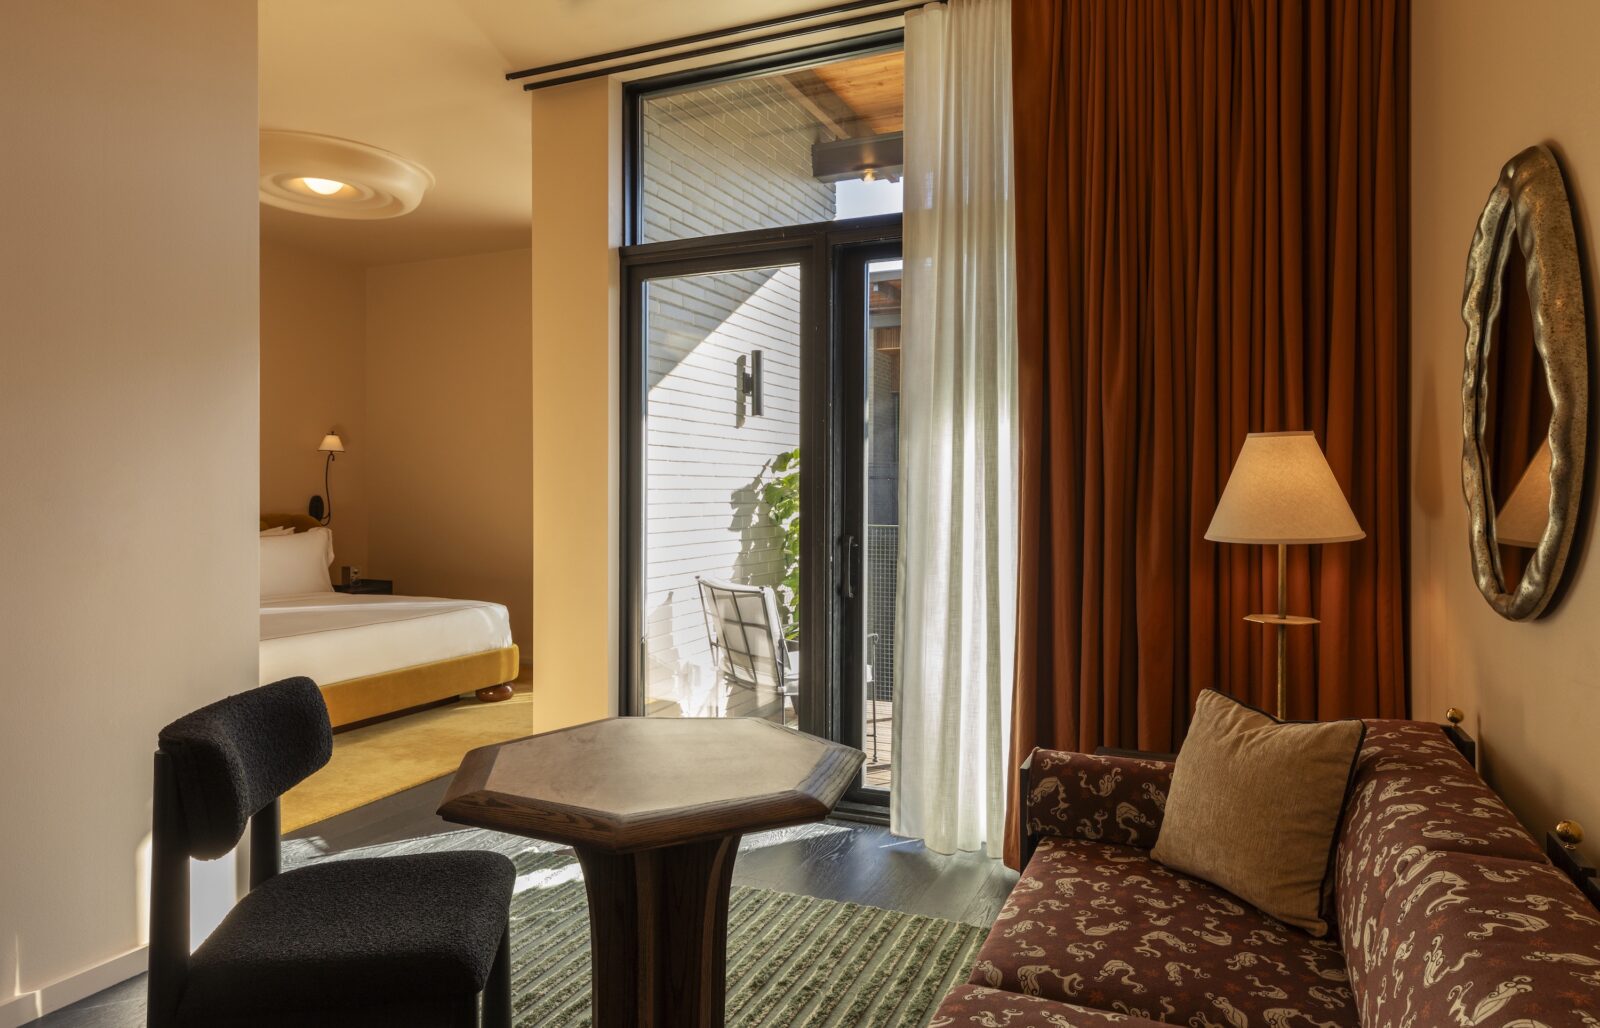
(128, 439)
(576, 228)
(447, 371)
(314, 377)
(1487, 81)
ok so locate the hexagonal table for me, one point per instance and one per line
(654, 808)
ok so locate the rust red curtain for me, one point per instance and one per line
(1211, 240)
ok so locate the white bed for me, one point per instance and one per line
(333, 637)
(372, 655)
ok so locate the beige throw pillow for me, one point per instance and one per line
(1255, 803)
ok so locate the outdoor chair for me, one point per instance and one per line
(748, 648)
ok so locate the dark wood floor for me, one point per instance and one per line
(836, 860)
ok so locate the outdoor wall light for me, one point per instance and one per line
(748, 370)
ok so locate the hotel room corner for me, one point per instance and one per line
(421, 368)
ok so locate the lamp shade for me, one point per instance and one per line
(331, 444)
(1282, 490)
(1522, 521)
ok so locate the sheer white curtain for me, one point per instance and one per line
(958, 452)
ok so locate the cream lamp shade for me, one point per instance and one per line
(1522, 521)
(331, 444)
(1282, 491)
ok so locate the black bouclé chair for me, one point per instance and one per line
(408, 940)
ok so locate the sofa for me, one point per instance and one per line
(1445, 912)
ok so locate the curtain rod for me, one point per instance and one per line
(716, 48)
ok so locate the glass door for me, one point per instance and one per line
(719, 565)
(869, 331)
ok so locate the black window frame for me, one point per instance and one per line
(820, 249)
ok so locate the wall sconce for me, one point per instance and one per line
(749, 371)
(331, 444)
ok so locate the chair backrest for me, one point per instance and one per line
(233, 757)
(746, 635)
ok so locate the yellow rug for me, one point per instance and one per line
(392, 756)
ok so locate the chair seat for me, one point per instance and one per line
(384, 930)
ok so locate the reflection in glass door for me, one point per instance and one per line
(876, 298)
(720, 558)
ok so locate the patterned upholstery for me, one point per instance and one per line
(1449, 915)
(1110, 799)
(1472, 940)
(1107, 927)
(973, 1005)
(1413, 794)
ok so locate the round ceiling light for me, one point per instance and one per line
(338, 178)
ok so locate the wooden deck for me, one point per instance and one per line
(875, 774)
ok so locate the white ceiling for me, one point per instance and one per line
(425, 78)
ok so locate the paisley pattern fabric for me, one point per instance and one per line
(1449, 915)
(973, 1005)
(1100, 799)
(1413, 793)
(1468, 941)
(1107, 927)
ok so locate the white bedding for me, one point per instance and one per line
(332, 637)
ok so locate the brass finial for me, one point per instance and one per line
(1569, 833)
(1455, 715)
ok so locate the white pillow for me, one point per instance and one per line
(296, 563)
(279, 530)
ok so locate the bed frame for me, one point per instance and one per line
(489, 675)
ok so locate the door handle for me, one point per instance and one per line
(852, 547)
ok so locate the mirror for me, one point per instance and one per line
(1525, 390)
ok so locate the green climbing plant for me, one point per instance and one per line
(780, 495)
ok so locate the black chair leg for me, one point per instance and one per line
(497, 990)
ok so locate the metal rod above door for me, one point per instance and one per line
(896, 8)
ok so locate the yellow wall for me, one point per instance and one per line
(314, 377)
(1488, 80)
(576, 227)
(128, 439)
(447, 369)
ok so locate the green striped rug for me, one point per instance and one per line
(792, 960)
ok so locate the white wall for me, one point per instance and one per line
(313, 378)
(449, 442)
(1487, 81)
(128, 443)
(576, 229)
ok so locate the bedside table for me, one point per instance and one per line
(368, 586)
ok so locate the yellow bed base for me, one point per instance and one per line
(361, 699)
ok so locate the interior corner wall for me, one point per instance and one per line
(1487, 82)
(313, 378)
(576, 230)
(449, 429)
(128, 438)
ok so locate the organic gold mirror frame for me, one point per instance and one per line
(1527, 208)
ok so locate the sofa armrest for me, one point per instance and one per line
(1099, 798)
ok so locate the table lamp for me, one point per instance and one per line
(1282, 491)
(1522, 521)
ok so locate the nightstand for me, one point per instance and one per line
(368, 586)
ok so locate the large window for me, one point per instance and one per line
(762, 396)
(790, 147)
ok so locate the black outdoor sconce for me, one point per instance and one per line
(749, 371)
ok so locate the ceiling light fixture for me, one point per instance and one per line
(322, 186)
(338, 178)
